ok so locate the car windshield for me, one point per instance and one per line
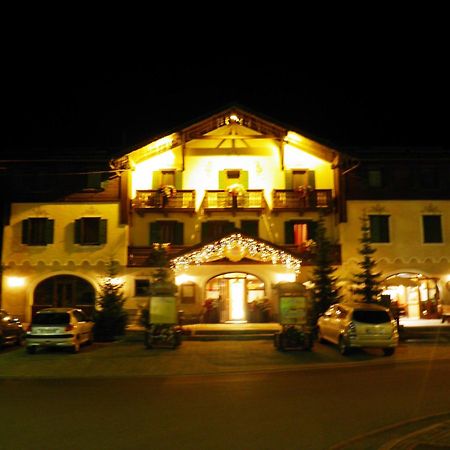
(366, 316)
(51, 318)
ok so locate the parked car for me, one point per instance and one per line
(11, 329)
(59, 327)
(358, 325)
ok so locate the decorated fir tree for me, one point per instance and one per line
(325, 290)
(367, 283)
(110, 317)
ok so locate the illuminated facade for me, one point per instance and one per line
(234, 199)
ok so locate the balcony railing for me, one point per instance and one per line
(291, 200)
(250, 200)
(307, 255)
(140, 256)
(154, 201)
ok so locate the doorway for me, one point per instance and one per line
(235, 296)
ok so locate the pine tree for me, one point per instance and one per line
(111, 318)
(325, 290)
(367, 280)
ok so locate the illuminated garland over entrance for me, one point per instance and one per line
(235, 247)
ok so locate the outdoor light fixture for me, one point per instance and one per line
(15, 282)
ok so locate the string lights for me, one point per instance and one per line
(236, 247)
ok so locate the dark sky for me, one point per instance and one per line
(382, 99)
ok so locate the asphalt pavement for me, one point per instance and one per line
(128, 357)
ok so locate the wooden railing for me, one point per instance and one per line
(153, 200)
(250, 200)
(291, 200)
(141, 256)
(307, 255)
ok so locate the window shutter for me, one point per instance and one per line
(288, 179)
(222, 179)
(103, 227)
(243, 179)
(155, 232)
(49, 230)
(25, 231)
(77, 231)
(250, 227)
(432, 229)
(156, 181)
(179, 228)
(206, 231)
(312, 230)
(179, 179)
(288, 232)
(312, 179)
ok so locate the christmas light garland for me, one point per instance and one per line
(235, 247)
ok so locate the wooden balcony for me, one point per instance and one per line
(153, 201)
(221, 201)
(307, 256)
(140, 256)
(289, 200)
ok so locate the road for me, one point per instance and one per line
(310, 408)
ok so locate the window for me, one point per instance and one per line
(233, 176)
(432, 229)
(215, 229)
(37, 231)
(166, 231)
(379, 228)
(141, 288)
(250, 227)
(90, 231)
(298, 232)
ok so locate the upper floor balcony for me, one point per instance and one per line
(156, 200)
(302, 200)
(250, 200)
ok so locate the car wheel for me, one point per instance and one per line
(31, 350)
(388, 351)
(343, 348)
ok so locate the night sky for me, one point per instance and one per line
(53, 104)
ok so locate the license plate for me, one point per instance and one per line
(47, 331)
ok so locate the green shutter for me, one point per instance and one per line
(243, 179)
(179, 228)
(222, 179)
(179, 179)
(49, 227)
(312, 179)
(103, 226)
(77, 231)
(156, 181)
(155, 233)
(288, 179)
(288, 232)
(206, 231)
(312, 230)
(25, 231)
(250, 227)
(432, 229)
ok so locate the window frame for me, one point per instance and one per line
(80, 231)
(41, 236)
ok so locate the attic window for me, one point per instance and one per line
(233, 174)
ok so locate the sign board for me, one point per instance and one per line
(163, 310)
(293, 310)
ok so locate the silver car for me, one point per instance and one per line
(358, 325)
(59, 327)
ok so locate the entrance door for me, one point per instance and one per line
(236, 289)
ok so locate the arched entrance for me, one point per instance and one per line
(64, 291)
(416, 295)
(236, 297)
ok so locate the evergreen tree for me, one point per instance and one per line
(367, 280)
(325, 290)
(111, 318)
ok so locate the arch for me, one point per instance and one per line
(64, 290)
(414, 293)
(236, 296)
